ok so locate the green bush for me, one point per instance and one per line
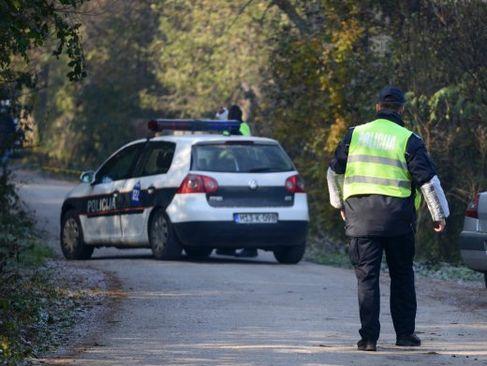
(15, 225)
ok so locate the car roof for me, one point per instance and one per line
(198, 138)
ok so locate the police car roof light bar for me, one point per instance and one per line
(158, 125)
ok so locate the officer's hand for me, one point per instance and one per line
(439, 226)
(342, 214)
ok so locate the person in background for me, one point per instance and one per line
(235, 114)
(222, 114)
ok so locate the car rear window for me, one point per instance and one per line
(242, 157)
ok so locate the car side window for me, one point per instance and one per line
(120, 165)
(157, 159)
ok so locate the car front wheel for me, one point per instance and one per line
(163, 240)
(289, 255)
(72, 243)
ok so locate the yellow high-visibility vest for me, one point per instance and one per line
(376, 161)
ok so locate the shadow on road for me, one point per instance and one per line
(210, 260)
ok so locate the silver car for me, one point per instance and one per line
(473, 239)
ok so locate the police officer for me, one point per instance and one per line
(373, 180)
(235, 113)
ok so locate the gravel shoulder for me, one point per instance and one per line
(89, 294)
(93, 294)
(227, 311)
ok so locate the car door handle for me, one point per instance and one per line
(151, 190)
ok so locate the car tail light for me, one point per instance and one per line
(473, 207)
(295, 184)
(194, 183)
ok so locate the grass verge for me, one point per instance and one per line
(40, 300)
(33, 303)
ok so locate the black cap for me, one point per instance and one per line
(391, 94)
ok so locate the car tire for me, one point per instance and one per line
(72, 242)
(162, 238)
(198, 252)
(289, 255)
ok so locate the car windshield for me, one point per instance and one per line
(241, 157)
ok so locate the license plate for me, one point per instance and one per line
(255, 218)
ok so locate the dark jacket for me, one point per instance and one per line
(378, 215)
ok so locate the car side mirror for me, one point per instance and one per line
(87, 177)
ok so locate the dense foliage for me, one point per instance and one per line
(304, 71)
(26, 311)
(25, 25)
(80, 123)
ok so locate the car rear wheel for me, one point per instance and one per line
(289, 255)
(163, 240)
(198, 252)
(72, 243)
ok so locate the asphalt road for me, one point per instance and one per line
(226, 311)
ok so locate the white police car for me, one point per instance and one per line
(191, 192)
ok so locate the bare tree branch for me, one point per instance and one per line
(293, 16)
(240, 12)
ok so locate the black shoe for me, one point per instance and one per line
(365, 345)
(230, 252)
(408, 341)
(247, 253)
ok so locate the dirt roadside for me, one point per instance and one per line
(96, 294)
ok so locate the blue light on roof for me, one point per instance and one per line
(208, 125)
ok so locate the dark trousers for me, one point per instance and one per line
(366, 256)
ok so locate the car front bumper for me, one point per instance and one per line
(473, 248)
(228, 234)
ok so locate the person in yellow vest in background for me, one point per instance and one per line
(235, 114)
(373, 180)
